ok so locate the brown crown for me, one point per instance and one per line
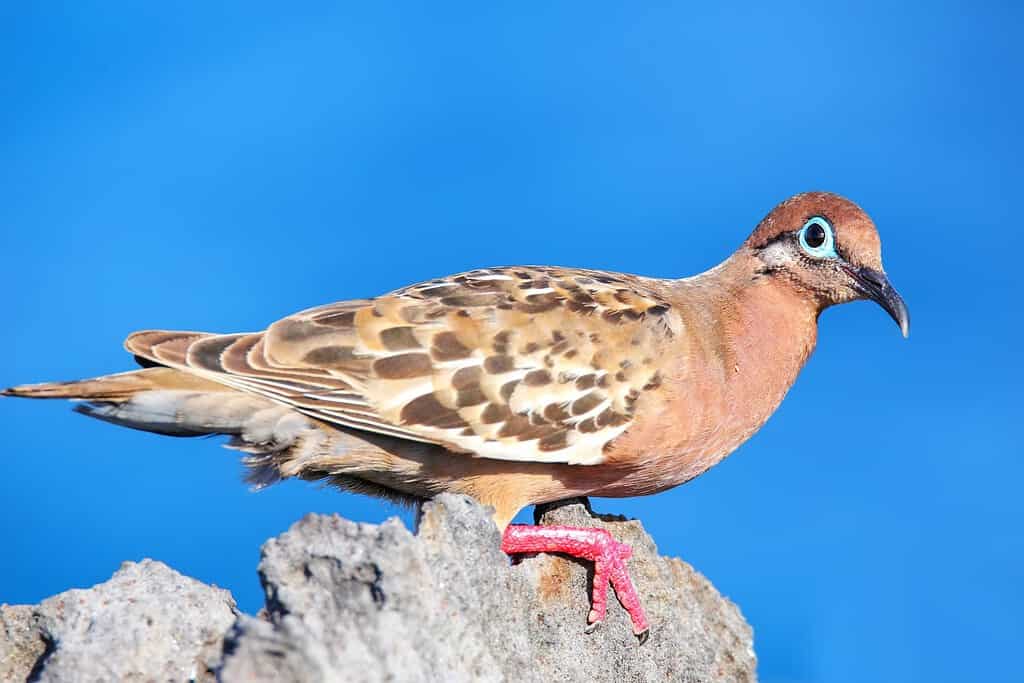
(856, 237)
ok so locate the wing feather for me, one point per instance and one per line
(524, 363)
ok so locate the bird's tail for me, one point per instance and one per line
(278, 441)
(114, 388)
(157, 399)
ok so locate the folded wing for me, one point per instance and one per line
(527, 364)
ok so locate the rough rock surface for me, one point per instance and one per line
(360, 602)
(21, 644)
(148, 622)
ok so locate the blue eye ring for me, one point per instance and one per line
(817, 238)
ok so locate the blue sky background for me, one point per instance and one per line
(218, 166)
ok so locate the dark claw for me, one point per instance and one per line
(592, 627)
(643, 635)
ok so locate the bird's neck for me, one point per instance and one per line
(744, 337)
(738, 344)
(758, 329)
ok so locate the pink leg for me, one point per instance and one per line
(597, 545)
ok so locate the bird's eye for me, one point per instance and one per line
(816, 238)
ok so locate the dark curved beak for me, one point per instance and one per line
(876, 286)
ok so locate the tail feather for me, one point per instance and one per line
(278, 441)
(116, 388)
(178, 412)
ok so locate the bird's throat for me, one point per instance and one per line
(756, 332)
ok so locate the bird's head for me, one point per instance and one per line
(827, 247)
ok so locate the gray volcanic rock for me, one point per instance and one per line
(361, 602)
(357, 602)
(696, 634)
(147, 623)
(21, 644)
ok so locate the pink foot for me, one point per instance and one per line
(597, 545)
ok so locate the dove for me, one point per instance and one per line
(516, 385)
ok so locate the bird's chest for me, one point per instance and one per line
(709, 408)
